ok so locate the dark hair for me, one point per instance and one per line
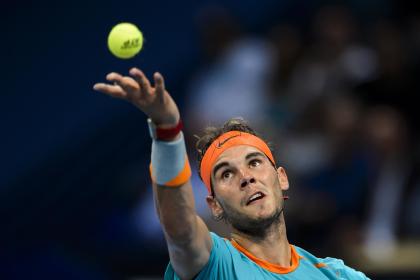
(211, 133)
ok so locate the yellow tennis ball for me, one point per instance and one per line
(125, 40)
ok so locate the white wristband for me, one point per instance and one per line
(169, 160)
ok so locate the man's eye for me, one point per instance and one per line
(226, 174)
(255, 163)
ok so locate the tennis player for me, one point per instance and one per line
(245, 188)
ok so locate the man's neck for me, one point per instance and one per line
(273, 248)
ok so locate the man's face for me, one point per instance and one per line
(248, 189)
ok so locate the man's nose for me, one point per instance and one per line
(246, 180)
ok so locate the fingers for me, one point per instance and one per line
(114, 77)
(132, 87)
(141, 79)
(112, 90)
(126, 83)
(123, 87)
(159, 85)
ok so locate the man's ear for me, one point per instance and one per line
(284, 182)
(215, 207)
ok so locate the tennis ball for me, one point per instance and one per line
(125, 40)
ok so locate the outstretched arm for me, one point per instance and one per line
(188, 239)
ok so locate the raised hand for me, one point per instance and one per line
(154, 101)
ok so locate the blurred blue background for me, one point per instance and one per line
(332, 84)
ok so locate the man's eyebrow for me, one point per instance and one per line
(254, 154)
(224, 163)
(218, 166)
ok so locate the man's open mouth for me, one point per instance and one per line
(256, 196)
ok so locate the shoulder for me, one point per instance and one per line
(219, 261)
(340, 268)
(337, 266)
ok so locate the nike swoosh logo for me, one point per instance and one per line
(220, 144)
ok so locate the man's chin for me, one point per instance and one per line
(256, 225)
(265, 218)
(263, 213)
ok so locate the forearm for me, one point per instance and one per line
(171, 172)
(176, 211)
(186, 234)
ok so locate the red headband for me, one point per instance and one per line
(224, 142)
